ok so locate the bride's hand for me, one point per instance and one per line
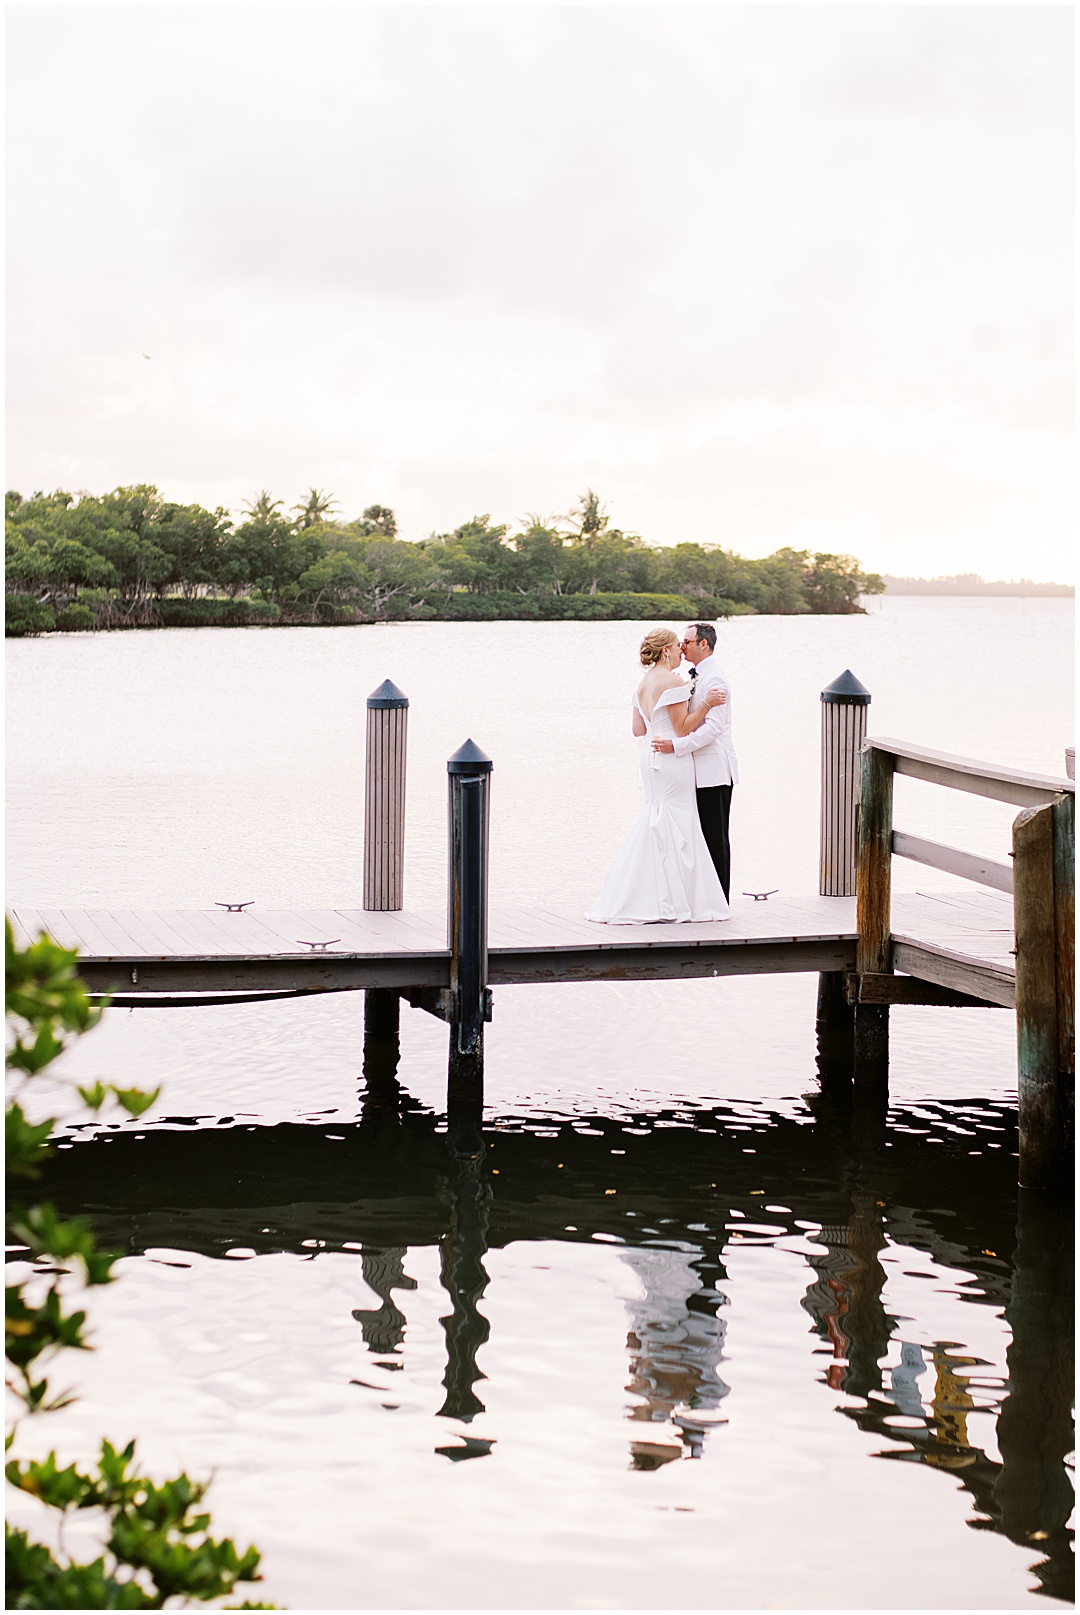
(714, 698)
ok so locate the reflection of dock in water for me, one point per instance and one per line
(665, 1202)
(676, 1342)
(384, 1328)
(1028, 1496)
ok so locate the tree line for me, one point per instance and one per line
(133, 559)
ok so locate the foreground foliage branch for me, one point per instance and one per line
(157, 1542)
(131, 558)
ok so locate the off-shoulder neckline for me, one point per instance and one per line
(680, 692)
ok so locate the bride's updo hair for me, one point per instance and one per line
(655, 643)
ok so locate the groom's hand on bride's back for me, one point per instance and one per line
(663, 745)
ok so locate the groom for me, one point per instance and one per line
(715, 765)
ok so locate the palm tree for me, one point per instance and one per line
(590, 518)
(263, 508)
(317, 505)
(379, 519)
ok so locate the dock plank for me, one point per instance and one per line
(169, 940)
(250, 930)
(80, 926)
(416, 928)
(27, 925)
(202, 941)
(389, 933)
(142, 937)
(955, 943)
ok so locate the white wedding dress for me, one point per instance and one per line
(663, 870)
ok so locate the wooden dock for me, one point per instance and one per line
(957, 942)
(1004, 940)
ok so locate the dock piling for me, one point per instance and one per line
(873, 903)
(382, 1013)
(384, 799)
(469, 782)
(843, 729)
(382, 1048)
(1043, 900)
(384, 836)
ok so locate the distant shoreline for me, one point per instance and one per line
(971, 585)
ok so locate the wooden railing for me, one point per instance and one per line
(1041, 881)
(978, 779)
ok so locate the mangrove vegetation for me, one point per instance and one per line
(131, 559)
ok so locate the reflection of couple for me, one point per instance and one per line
(675, 863)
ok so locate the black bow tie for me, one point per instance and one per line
(693, 674)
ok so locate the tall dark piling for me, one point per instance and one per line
(1044, 911)
(469, 783)
(843, 730)
(873, 912)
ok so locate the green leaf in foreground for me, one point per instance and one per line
(159, 1544)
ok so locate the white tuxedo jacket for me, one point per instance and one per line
(711, 745)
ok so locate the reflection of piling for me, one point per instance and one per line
(463, 1275)
(1033, 1491)
(1044, 907)
(845, 1298)
(384, 1327)
(469, 782)
(843, 729)
(866, 1324)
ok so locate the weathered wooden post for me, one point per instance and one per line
(1065, 950)
(469, 781)
(843, 730)
(1044, 909)
(384, 834)
(873, 904)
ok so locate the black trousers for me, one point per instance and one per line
(714, 811)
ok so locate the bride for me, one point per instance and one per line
(663, 870)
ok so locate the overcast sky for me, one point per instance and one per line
(758, 275)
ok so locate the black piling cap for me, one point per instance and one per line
(846, 691)
(387, 695)
(469, 759)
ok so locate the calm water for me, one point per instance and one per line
(672, 1332)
